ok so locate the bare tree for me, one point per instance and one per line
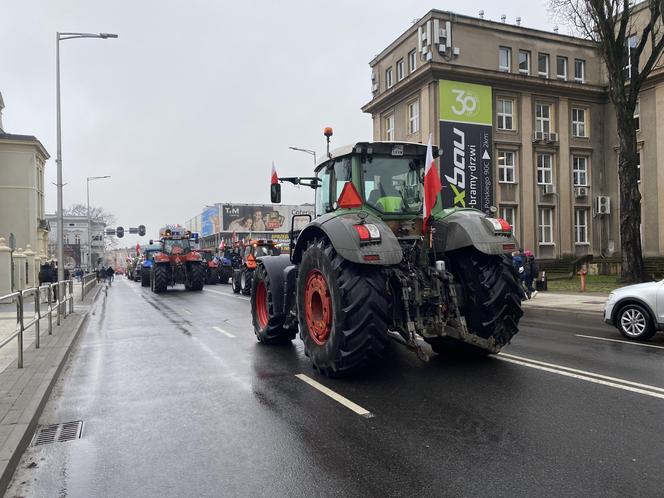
(630, 40)
(96, 214)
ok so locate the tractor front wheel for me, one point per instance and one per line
(159, 278)
(246, 278)
(196, 277)
(236, 281)
(342, 310)
(145, 277)
(268, 324)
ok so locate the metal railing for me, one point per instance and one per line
(58, 294)
(88, 281)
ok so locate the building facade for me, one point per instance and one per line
(22, 162)
(552, 149)
(75, 234)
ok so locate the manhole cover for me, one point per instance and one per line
(57, 433)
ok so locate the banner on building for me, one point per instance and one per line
(210, 221)
(242, 218)
(466, 120)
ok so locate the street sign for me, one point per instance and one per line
(133, 230)
(12, 242)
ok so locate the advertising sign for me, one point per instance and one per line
(210, 221)
(242, 218)
(466, 117)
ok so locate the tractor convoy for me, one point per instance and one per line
(369, 268)
(176, 261)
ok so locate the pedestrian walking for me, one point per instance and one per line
(531, 269)
(109, 275)
(518, 262)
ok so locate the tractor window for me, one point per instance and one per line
(333, 177)
(393, 185)
(176, 246)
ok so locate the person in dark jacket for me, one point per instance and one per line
(531, 269)
(109, 274)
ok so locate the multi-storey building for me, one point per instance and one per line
(75, 235)
(551, 139)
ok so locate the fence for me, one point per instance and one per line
(88, 281)
(58, 295)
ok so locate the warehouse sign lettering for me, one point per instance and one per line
(466, 116)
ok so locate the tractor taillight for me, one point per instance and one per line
(367, 232)
(505, 225)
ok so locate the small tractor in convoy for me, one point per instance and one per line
(148, 261)
(211, 266)
(368, 268)
(230, 260)
(177, 262)
(243, 276)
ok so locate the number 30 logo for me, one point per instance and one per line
(466, 103)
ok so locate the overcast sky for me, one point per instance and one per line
(196, 98)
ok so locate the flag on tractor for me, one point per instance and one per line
(138, 249)
(275, 177)
(432, 185)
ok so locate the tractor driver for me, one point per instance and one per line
(385, 197)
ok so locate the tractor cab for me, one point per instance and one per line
(257, 249)
(176, 241)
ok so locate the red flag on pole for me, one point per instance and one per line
(275, 178)
(138, 248)
(432, 185)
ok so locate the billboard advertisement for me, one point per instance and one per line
(210, 221)
(260, 218)
(466, 117)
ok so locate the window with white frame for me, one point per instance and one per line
(524, 62)
(414, 117)
(389, 128)
(543, 118)
(400, 70)
(504, 58)
(630, 45)
(638, 167)
(546, 225)
(580, 171)
(77, 238)
(508, 213)
(561, 67)
(412, 61)
(505, 114)
(389, 82)
(544, 169)
(579, 70)
(543, 65)
(580, 226)
(637, 115)
(578, 122)
(506, 166)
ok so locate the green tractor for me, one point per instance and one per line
(366, 269)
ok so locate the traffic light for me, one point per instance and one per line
(119, 232)
(141, 230)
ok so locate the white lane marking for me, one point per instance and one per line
(186, 310)
(336, 397)
(632, 343)
(222, 331)
(225, 294)
(596, 378)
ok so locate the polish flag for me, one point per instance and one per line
(432, 185)
(275, 178)
(138, 249)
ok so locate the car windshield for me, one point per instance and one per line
(393, 184)
(176, 246)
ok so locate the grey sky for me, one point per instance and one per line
(196, 98)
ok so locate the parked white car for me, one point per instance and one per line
(636, 310)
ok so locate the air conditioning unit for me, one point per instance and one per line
(539, 136)
(581, 192)
(429, 57)
(603, 204)
(553, 137)
(442, 48)
(548, 189)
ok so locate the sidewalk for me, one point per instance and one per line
(584, 303)
(23, 392)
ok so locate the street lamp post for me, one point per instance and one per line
(89, 179)
(308, 151)
(58, 37)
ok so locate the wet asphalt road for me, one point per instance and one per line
(178, 399)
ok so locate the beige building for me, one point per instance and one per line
(75, 233)
(554, 147)
(22, 162)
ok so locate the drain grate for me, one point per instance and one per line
(57, 433)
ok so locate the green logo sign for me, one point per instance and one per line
(465, 102)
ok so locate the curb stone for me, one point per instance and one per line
(26, 391)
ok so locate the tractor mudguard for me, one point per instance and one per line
(147, 264)
(465, 228)
(277, 269)
(339, 230)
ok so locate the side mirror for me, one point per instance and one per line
(275, 193)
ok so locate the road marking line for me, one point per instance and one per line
(225, 294)
(617, 340)
(584, 372)
(583, 377)
(336, 397)
(227, 334)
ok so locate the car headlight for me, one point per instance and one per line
(611, 298)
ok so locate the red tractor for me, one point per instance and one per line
(211, 266)
(242, 276)
(177, 262)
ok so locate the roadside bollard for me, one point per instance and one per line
(583, 272)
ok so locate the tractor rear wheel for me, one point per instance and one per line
(492, 294)
(145, 277)
(211, 277)
(159, 278)
(196, 277)
(236, 281)
(342, 310)
(268, 324)
(246, 278)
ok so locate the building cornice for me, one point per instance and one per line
(23, 140)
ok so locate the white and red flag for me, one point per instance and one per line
(432, 185)
(275, 177)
